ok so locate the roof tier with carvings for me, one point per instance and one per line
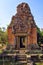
(23, 19)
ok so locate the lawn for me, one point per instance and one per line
(1, 51)
(39, 63)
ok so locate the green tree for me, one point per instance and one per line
(39, 36)
(3, 36)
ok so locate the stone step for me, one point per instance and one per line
(21, 57)
(22, 61)
(22, 51)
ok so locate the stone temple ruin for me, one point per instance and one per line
(22, 38)
(22, 31)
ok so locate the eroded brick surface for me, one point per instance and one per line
(23, 24)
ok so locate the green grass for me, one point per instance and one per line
(1, 51)
(39, 63)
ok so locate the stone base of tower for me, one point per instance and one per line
(21, 56)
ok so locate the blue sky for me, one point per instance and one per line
(8, 9)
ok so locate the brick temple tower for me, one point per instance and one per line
(22, 30)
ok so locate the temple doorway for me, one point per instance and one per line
(22, 41)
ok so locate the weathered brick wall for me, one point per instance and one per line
(34, 34)
(10, 36)
(23, 22)
(32, 37)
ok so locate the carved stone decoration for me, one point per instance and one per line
(23, 19)
(20, 27)
(23, 24)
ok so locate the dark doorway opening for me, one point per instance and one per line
(22, 41)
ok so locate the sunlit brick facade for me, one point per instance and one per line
(22, 27)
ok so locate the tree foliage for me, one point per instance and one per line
(39, 36)
(3, 36)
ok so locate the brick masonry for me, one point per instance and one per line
(23, 24)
